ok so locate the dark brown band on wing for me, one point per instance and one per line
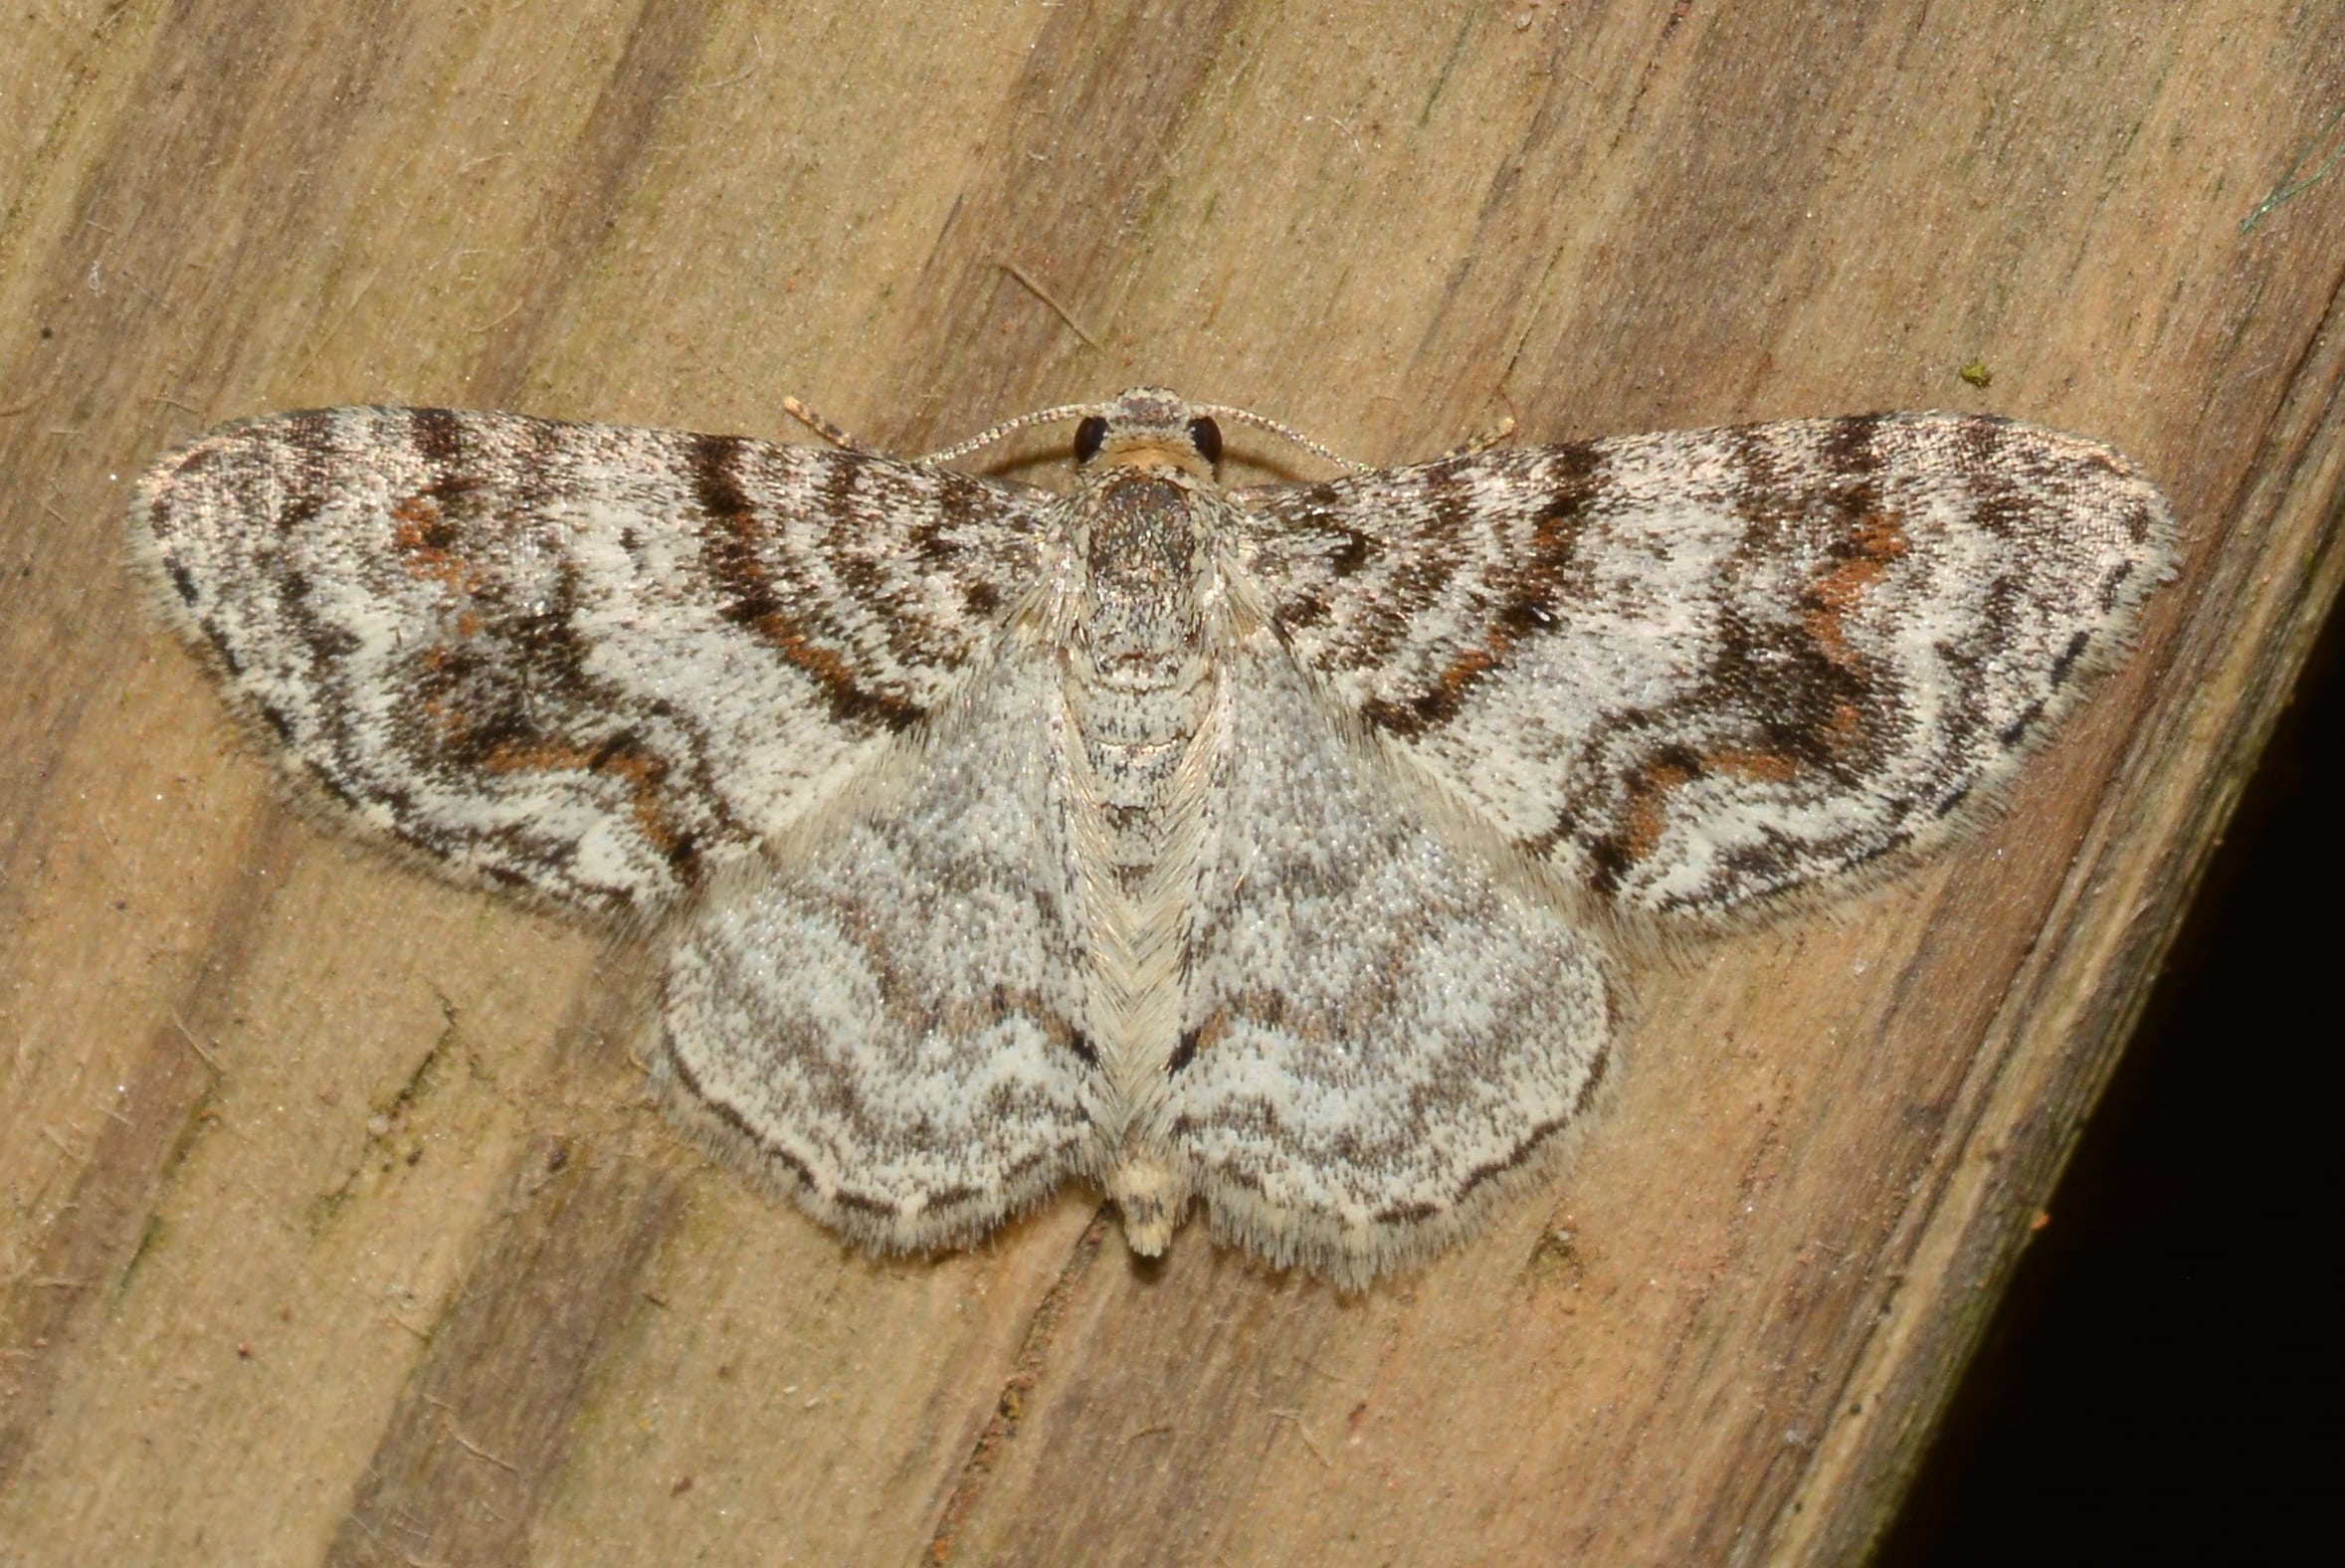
(1778, 701)
(505, 686)
(1539, 590)
(739, 570)
(511, 693)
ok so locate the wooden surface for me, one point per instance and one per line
(337, 1227)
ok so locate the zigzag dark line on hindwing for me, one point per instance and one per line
(1526, 1148)
(732, 532)
(733, 1118)
(849, 1107)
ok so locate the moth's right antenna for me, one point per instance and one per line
(1247, 416)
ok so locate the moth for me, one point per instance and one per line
(1251, 846)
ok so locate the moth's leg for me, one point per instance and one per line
(822, 427)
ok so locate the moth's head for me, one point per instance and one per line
(1149, 427)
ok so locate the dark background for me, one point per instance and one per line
(2152, 1388)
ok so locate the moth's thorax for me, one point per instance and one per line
(1146, 564)
(1139, 670)
(1142, 528)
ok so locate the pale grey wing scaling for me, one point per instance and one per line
(1382, 1029)
(877, 1022)
(586, 660)
(1693, 669)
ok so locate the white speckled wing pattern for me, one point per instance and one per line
(889, 1029)
(1693, 669)
(1417, 1020)
(1199, 843)
(579, 659)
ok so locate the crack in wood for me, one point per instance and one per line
(1026, 1370)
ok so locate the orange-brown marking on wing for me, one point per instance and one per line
(1647, 814)
(1771, 767)
(1648, 808)
(642, 773)
(448, 719)
(1211, 1032)
(1470, 665)
(422, 540)
(1847, 727)
(823, 663)
(1879, 540)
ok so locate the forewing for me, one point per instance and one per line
(579, 658)
(1693, 669)
(1382, 1029)
(878, 1019)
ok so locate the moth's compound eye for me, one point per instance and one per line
(1207, 437)
(1088, 437)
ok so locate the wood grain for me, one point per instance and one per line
(337, 1225)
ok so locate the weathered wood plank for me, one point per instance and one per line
(284, 1277)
